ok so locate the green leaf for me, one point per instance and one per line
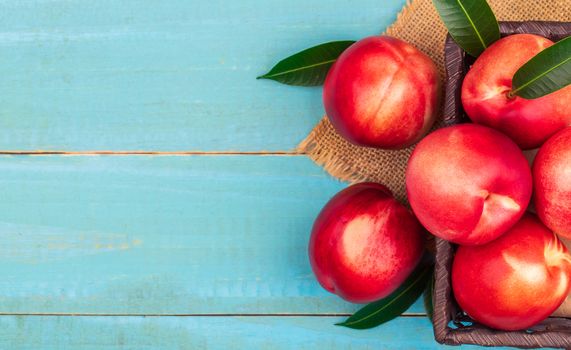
(428, 293)
(544, 73)
(308, 67)
(384, 310)
(471, 23)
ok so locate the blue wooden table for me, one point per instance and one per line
(151, 196)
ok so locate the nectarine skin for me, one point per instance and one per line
(468, 183)
(552, 183)
(382, 92)
(364, 243)
(516, 281)
(486, 85)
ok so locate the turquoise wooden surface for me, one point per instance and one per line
(275, 333)
(153, 235)
(174, 75)
(184, 235)
(168, 252)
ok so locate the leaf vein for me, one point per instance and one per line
(472, 24)
(299, 69)
(392, 301)
(525, 85)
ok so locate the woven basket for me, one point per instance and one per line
(451, 325)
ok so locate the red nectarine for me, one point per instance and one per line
(552, 183)
(517, 280)
(382, 92)
(364, 243)
(486, 86)
(468, 183)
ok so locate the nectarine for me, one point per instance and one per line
(382, 92)
(487, 84)
(517, 280)
(552, 183)
(364, 243)
(468, 183)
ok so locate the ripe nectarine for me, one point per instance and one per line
(517, 280)
(468, 183)
(487, 84)
(364, 243)
(382, 92)
(552, 183)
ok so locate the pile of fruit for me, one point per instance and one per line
(470, 184)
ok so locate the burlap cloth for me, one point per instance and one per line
(419, 24)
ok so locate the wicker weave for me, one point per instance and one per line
(451, 325)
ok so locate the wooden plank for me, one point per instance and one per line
(161, 235)
(173, 75)
(276, 333)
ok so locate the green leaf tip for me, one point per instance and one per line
(384, 310)
(544, 73)
(308, 67)
(471, 23)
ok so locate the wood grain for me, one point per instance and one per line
(161, 235)
(195, 333)
(172, 75)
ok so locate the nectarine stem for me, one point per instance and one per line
(510, 95)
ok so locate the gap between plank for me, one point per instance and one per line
(151, 153)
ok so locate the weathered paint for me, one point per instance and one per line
(147, 234)
(192, 333)
(164, 75)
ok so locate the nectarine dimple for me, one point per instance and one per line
(552, 183)
(364, 243)
(516, 281)
(487, 84)
(468, 183)
(382, 92)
